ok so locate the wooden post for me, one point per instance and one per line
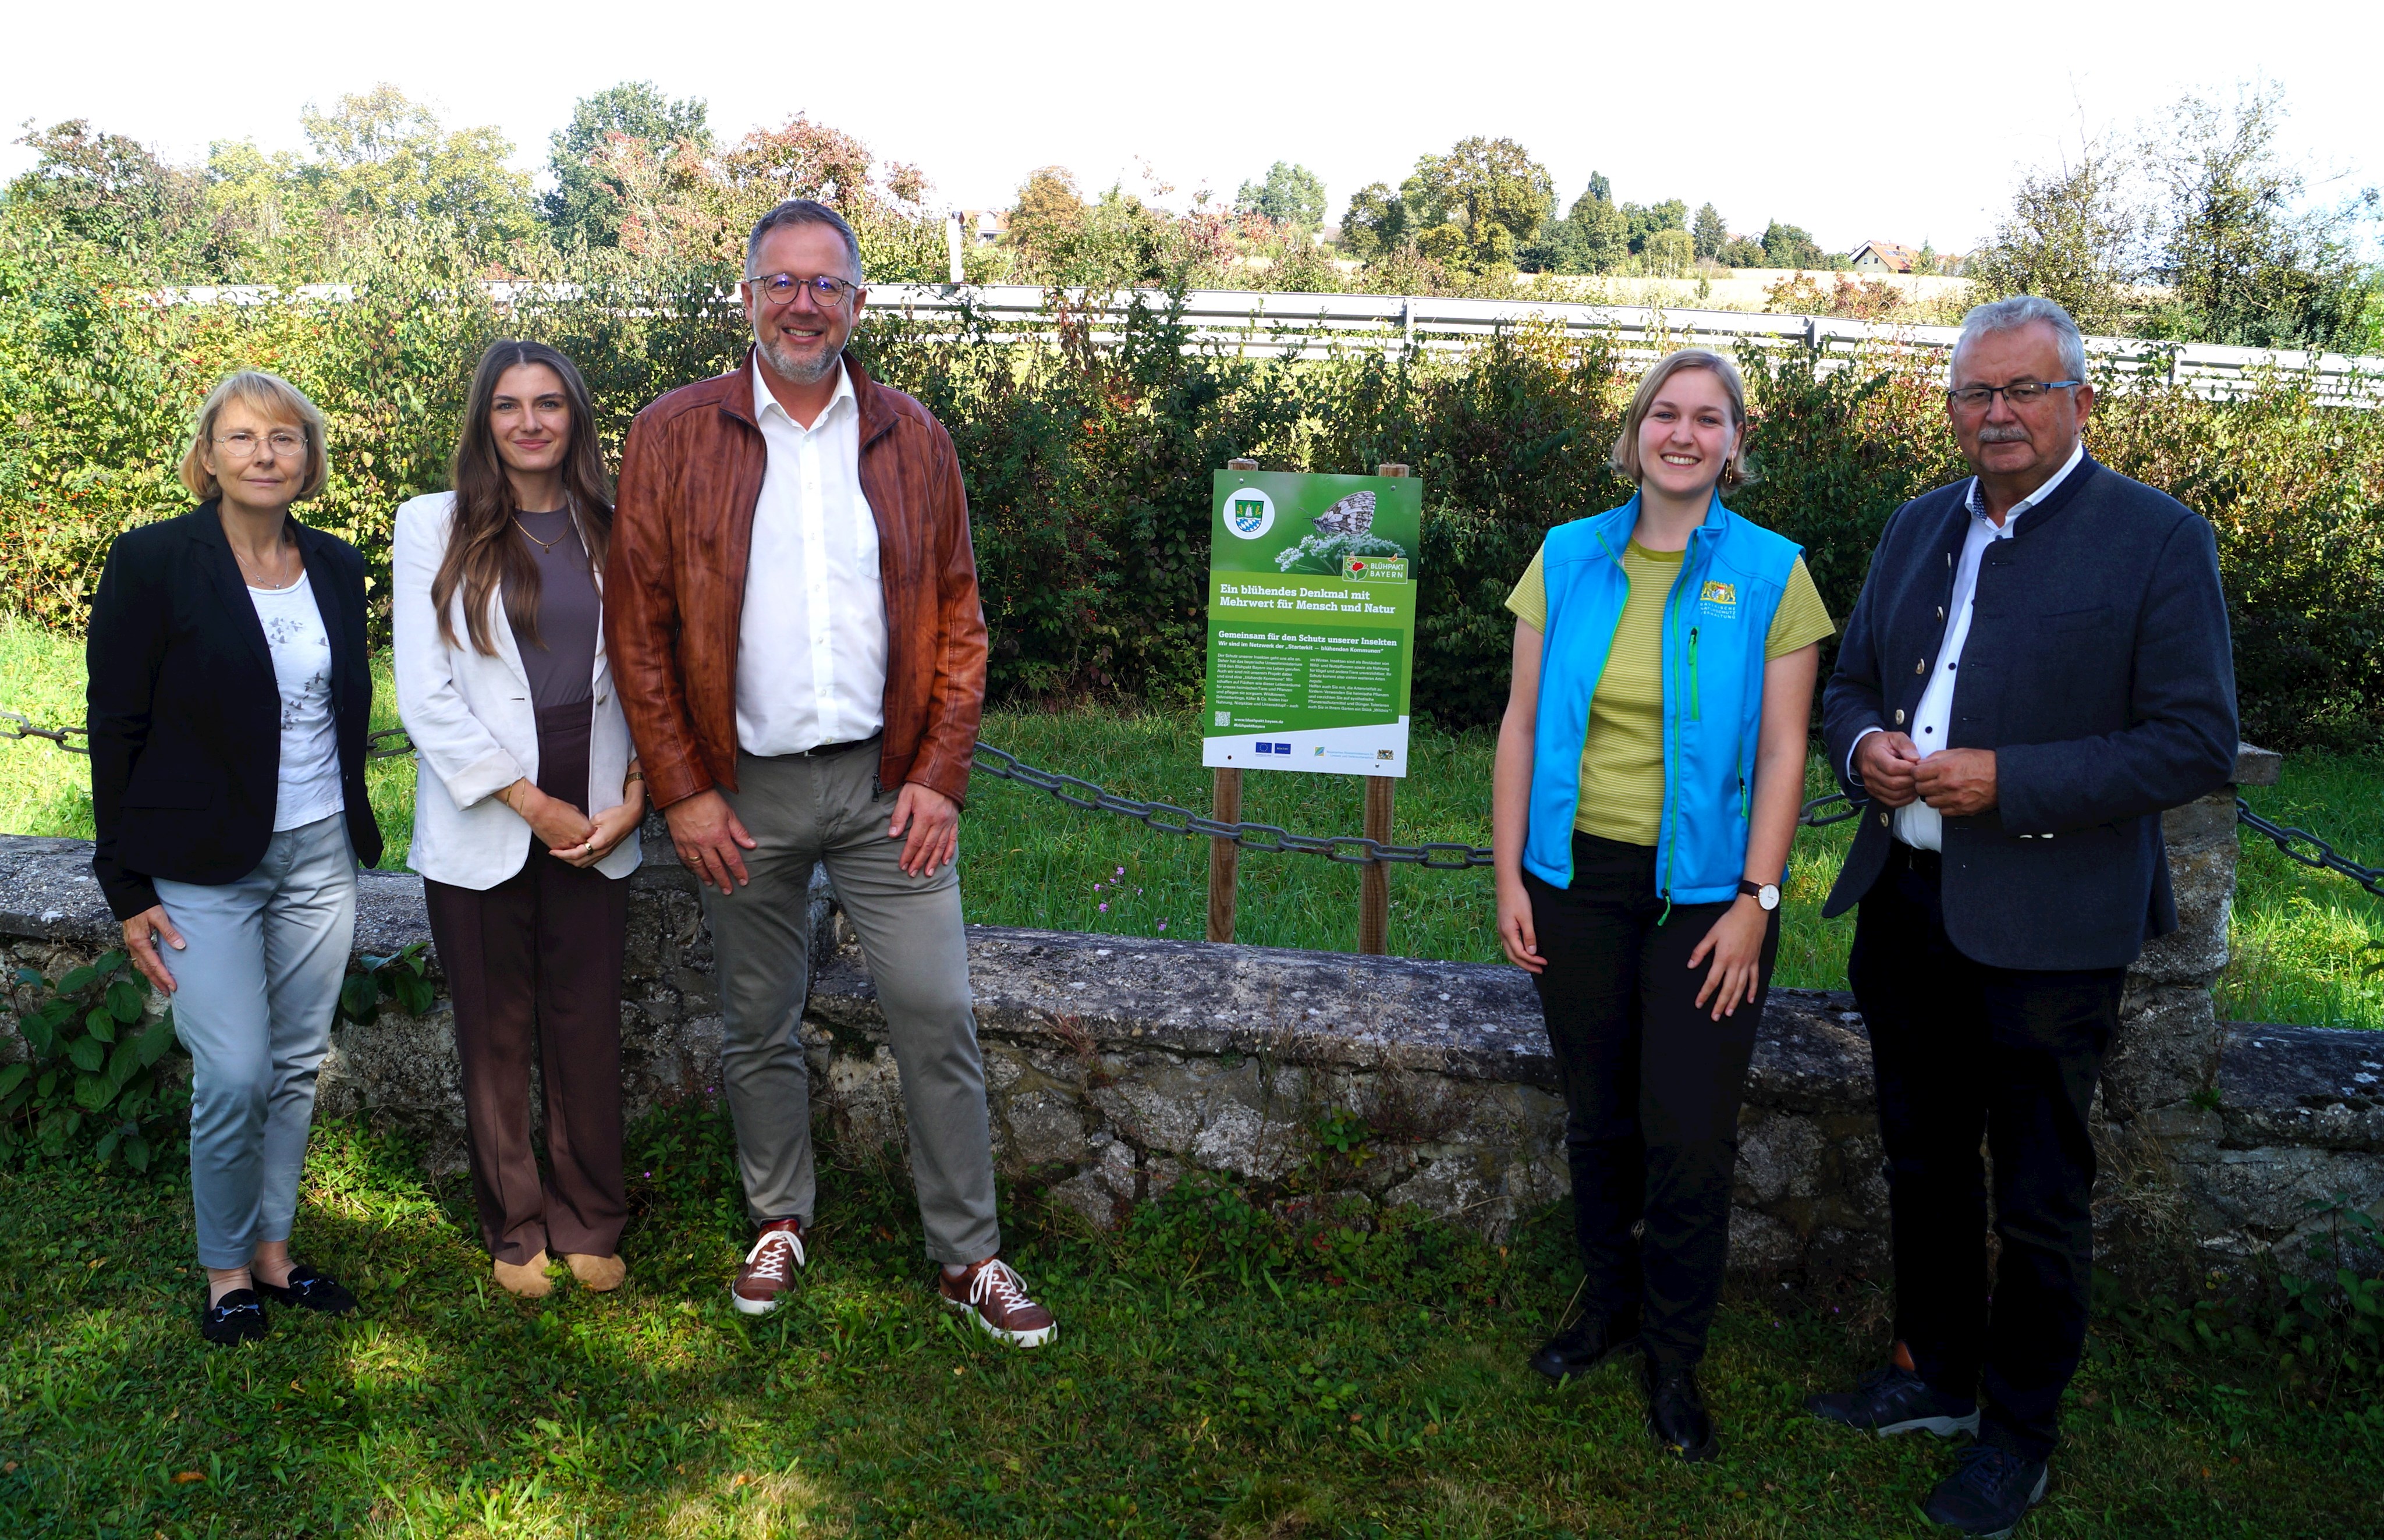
(1374, 891)
(1225, 856)
(1225, 806)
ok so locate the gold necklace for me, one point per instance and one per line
(547, 546)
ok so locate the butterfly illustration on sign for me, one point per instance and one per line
(1344, 530)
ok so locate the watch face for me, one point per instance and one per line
(1768, 895)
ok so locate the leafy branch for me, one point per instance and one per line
(93, 1070)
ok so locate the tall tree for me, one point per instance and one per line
(1049, 211)
(111, 191)
(1644, 221)
(2072, 235)
(381, 157)
(1376, 223)
(1791, 246)
(1479, 203)
(1708, 233)
(587, 200)
(2245, 261)
(1291, 195)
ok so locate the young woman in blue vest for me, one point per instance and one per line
(1650, 768)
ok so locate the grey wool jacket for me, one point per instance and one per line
(2098, 668)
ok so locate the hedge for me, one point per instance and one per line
(1088, 465)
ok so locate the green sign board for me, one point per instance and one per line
(1312, 622)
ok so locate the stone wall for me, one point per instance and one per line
(1117, 1065)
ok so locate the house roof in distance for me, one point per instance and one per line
(1893, 255)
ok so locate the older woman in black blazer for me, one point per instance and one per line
(228, 696)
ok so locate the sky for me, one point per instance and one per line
(1908, 124)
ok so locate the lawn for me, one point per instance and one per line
(1219, 1372)
(2307, 945)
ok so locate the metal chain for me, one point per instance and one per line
(2285, 837)
(1353, 849)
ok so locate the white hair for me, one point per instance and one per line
(2022, 310)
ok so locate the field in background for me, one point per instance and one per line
(2307, 944)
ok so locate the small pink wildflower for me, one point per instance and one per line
(1105, 909)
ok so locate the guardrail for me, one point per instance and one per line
(1266, 324)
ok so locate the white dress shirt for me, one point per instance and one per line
(811, 660)
(1917, 823)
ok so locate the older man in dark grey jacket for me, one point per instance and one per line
(2038, 665)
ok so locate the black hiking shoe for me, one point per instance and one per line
(1676, 1412)
(234, 1319)
(1584, 1345)
(1896, 1401)
(1989, 1492)
(310, 1290)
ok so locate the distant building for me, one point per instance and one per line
(985, 226)
(1884, 256)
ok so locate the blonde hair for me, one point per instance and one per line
(272, 397)
(1736, 473)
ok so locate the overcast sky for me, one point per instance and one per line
(1854, 120)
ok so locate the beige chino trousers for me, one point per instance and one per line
(802, 812)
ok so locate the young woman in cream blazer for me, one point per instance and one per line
(525, 808)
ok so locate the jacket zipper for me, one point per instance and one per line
(1697, 704)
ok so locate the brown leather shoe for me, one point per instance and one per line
(996, 1296)
(769, 1268)
(528, 1279)
(598, 1274)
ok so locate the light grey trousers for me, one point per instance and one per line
(802, 812)
(254, 988)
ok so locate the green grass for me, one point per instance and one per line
(1218, 1372)
(2307, 944)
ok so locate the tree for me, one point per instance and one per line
(1708, 233)
(1049, 211)
(381, 158)
(586, 204)
(2245, 264)
(1791, 246)
(1477, 204)
(1291, 195)
(2071, 234)
(1593, 237)
(1376, 223)
(1741, 251)
(109, 190)
(1644, 221)
(1668, 252)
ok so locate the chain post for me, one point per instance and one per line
(1375, 887)
(1225, 807)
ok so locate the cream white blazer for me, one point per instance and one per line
(474, 729)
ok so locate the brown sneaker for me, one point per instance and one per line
(996, 1296)
(769, 1268)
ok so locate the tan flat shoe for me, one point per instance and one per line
(527, 1279)
(602, 1275)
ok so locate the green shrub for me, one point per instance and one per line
(90, 1079)
(1089, 462)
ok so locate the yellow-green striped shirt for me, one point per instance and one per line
(1622, 759)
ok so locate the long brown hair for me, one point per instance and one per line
(484, 546)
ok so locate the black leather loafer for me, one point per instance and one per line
(1581, 1346)
(236, 1317)
(310, 1290)
(1676, 1412)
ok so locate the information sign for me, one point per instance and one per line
(1312, 622)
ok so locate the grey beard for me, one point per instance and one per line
(794, 370)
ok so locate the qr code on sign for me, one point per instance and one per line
(1224, 719)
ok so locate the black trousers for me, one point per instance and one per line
(1964, 1053)
(1652, 1086)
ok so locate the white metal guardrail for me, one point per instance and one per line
(1310, 326)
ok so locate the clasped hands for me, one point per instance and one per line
(568, 834)
(709, 835)
(1958, 782)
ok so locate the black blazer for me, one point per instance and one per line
(185, 717)
(2098, 669)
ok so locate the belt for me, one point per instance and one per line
(829, 751)
(1929, 863)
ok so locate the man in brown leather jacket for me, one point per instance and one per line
(791, 606)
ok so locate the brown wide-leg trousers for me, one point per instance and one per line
(537, 959)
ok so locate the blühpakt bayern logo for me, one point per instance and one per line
(1249, 513)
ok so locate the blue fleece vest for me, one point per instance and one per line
(1717, 619)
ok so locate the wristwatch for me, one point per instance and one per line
(1767, 894)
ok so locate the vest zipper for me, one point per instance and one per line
(1696, 704)
(1745, 815)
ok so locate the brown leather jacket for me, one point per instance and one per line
(675, 584)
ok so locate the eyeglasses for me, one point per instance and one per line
(2019, 392)
(244, 444)
(781, 288)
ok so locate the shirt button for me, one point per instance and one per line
(1899, 717)
(1920, 667)
(1882, 820)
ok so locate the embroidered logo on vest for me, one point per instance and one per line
(1719, 599)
